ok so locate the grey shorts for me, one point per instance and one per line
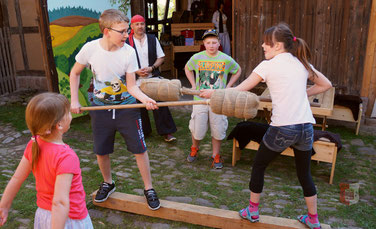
(202, 117)
(105, 123)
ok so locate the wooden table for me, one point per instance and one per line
(176, 29)
(180, 49)
(323, 108)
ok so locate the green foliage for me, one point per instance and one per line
(124, 5)
(162, 7)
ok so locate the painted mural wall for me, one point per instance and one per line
(72, 24)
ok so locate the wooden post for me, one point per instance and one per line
(194, 214)
(369, 73)
(8, 81)
(138, 7)
(167, 6)
(233, 30)
(48, 58)
(21, 34)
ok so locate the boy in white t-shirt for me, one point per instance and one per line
(114, 64)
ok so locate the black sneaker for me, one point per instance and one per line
(152, 199)
(105, 190)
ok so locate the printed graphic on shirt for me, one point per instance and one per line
(211, 74)
(112, 92)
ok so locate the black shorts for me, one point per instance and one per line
(105, 123)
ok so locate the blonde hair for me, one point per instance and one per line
(110, 17)
(42, 114)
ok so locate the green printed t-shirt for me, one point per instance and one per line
(212, 72)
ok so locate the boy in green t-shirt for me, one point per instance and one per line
(211, 68)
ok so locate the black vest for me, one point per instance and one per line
(152, 52)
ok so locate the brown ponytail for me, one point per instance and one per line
(303, 53)
(42, 114)
(35, 152)
(296, 46)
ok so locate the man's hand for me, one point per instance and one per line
(142, 72)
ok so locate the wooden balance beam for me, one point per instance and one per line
(194, 214)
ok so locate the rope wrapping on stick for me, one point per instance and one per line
(232, 103)
(161, 89)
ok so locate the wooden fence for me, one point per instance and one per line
(335, 30)
(7, 72)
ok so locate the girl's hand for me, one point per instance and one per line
(150, 104)
(3, 215)
(206, 93)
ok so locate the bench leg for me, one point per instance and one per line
(333, 165)
(235, 153)
(357, 128)
(359, 119)
(323, 123)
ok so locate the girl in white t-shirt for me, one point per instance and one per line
(285, 71)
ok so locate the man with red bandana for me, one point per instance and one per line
(149, 57)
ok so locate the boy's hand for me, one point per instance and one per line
(150, 104)
(75, 108)
(3, 215)
(206, 93)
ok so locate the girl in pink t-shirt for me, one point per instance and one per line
(56, 167)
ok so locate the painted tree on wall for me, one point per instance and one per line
(123, 5)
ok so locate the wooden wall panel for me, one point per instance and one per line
(17, 52)
(34, 49)
(28, 12)
(369, 75)
(336, 32)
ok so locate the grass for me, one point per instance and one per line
(226, 188)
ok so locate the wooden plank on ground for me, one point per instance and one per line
(194, 214)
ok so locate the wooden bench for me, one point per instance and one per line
(325, 152)
(344, 114)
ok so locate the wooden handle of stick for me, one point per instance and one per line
(269, 99)
(189, 91)
(140, 105)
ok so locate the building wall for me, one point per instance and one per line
(26, 44)
(336, 32)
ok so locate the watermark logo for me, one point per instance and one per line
(349, 193)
